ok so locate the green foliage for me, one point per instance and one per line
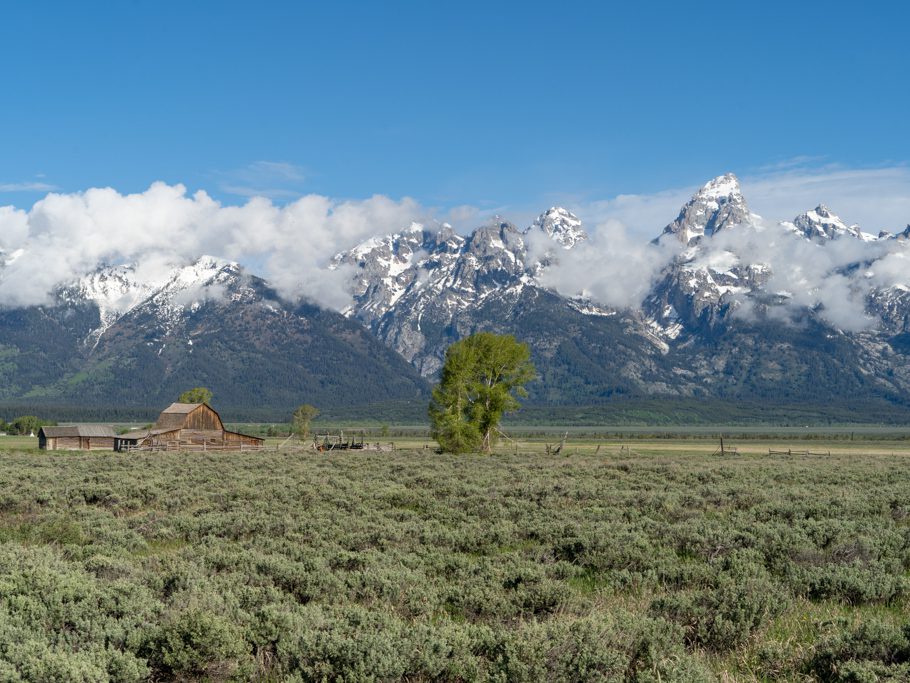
(259, 368)
(195, 645)
(27, 424)
(195, 395)
(205, 566)
(300, 423)
(482, 378)
(872, 651)
(722, 617)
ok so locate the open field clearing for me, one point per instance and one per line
(660, 564)
(757, 445)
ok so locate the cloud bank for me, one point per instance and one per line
(64, 236)
(833, 278)
(618, 266)
(877, 199)
(611, 267)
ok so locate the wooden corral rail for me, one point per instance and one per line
(338, 442)
(724, 451)
(194, 447)
(205, 447)
(790, 451)
(187, 427)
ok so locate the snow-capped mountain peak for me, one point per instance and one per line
(189, 287)
(820, 224)
(413, 235)
(115, 290)
(719, 205)
(406, 283)
(724, 187)
(495, 237)
(118, 290)
(560, 225)
(206, 270)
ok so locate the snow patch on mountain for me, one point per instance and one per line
(405, 281)
(119, 290)
(719, 205)
(820, 224)
(560, 225)
(115, 290)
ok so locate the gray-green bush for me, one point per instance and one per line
(420, 567)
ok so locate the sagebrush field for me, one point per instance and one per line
(672, 565)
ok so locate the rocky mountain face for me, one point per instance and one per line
(117, 338)
(716, 207)
(713, 324)
(738, 311)
(561, 226)
(420, 290)
(822, 224)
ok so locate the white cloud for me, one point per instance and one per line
(32, 186)
(612, 267)
(270, 179)
(67, 235)
(616, 266)
(643, 215)
(876, 198)
(818, 276)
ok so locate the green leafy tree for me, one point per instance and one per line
(302, 418)
(196, 395)
(27, 424)
(482, 379)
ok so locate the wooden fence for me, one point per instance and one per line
(195, 447)
(790, 451)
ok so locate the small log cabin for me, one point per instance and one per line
(76, 438)
(187, 426)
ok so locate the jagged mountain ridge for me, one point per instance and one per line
(116, 338)
(679, 341)
(716, 207)
(437, 278)
(706, 284)
(131, 333)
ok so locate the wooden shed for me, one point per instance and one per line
(187, 426)
(76, 438)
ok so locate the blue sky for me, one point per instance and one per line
(494, 104)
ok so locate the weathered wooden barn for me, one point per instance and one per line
(76, 438)
(187, 426)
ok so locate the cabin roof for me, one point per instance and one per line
(248, 436)
(139, 434)
(78, 430)
(182, 408)
(136, 434)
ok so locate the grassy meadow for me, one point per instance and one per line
(620, 559)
